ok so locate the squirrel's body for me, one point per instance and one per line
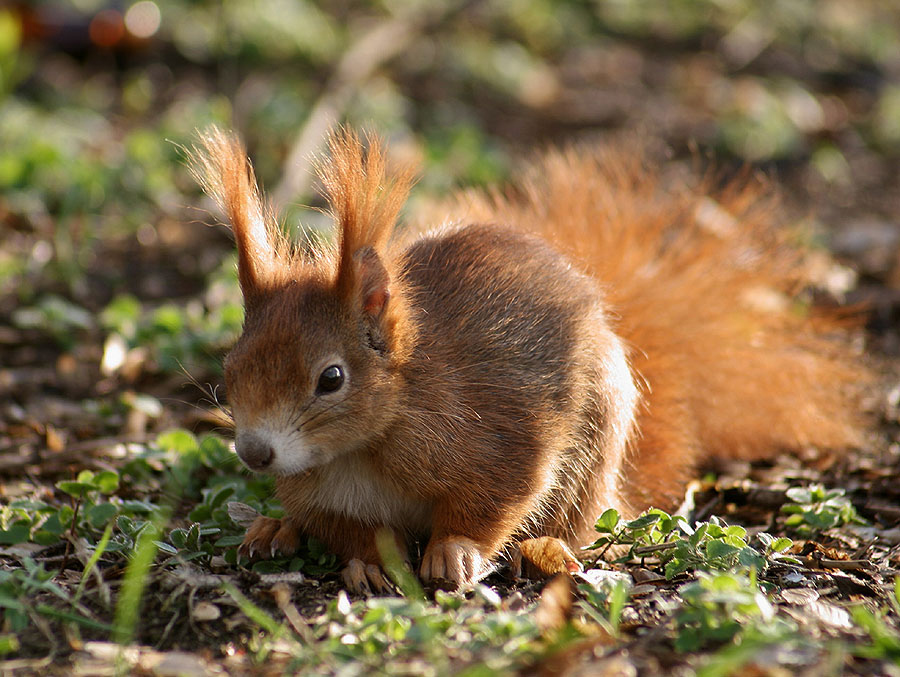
(521, 371)
(581, 346)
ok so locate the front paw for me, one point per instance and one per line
(268, 537)
(456, 559)
(363, 579)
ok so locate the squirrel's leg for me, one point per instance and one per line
(363, 579)
(543, 557)
(356, 545)
(363, 573)
(464, 541)
(269, 537)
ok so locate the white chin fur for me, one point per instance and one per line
(291, 462)
(292, 453)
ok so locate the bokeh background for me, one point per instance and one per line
(112, 289)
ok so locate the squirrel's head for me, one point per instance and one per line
(314, 374)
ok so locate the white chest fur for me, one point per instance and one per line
(350, 487)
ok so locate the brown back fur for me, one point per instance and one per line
(701, 283)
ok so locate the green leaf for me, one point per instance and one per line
(129, 527)
(819, 493)
(780, 544)
(17, 533)
(643, 521)
(799, 495)
(44, 537)
(617, 598)
(55, 524)
(107, 481)
(28, 504)
(86, 476)
(608, 521)
(166, 548)
(99, 515)
(192, 540)
(169, 319)
(676, 566)
(736, 541)
(219, 496)
(201, 513)
(75, 489)
(717, 549)
(715, 530)
(140, 507)
(699, 535)
(10, 602)
(268, 566)
(668, 524)
(178, 537)
(229, 541)
(48, 610)
(820, 520)
(214, 449)
(179, 441)
(749, 557)
(736, 531)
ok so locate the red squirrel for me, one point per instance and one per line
(579, 341)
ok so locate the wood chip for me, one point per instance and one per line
(54, 439)
(205, 611)
(288, 577)
(799, 596)
(602, 578)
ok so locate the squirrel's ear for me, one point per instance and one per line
(222, 167)
(372, 288)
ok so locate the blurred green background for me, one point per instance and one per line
(110, 285)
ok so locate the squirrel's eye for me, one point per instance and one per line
(331, 379)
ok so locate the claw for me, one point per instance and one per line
(376, 579)
(544, 557)
(455, 559)
(267, 534)
(365, 579)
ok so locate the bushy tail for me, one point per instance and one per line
(702, 284)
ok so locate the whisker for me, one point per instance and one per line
(312, 419)
(209, 390)
(296, 416)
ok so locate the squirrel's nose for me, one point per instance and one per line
(254, 451)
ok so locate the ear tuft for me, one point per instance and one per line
(365, 199)
(221, 166)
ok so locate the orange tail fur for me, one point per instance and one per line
(703, 285)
